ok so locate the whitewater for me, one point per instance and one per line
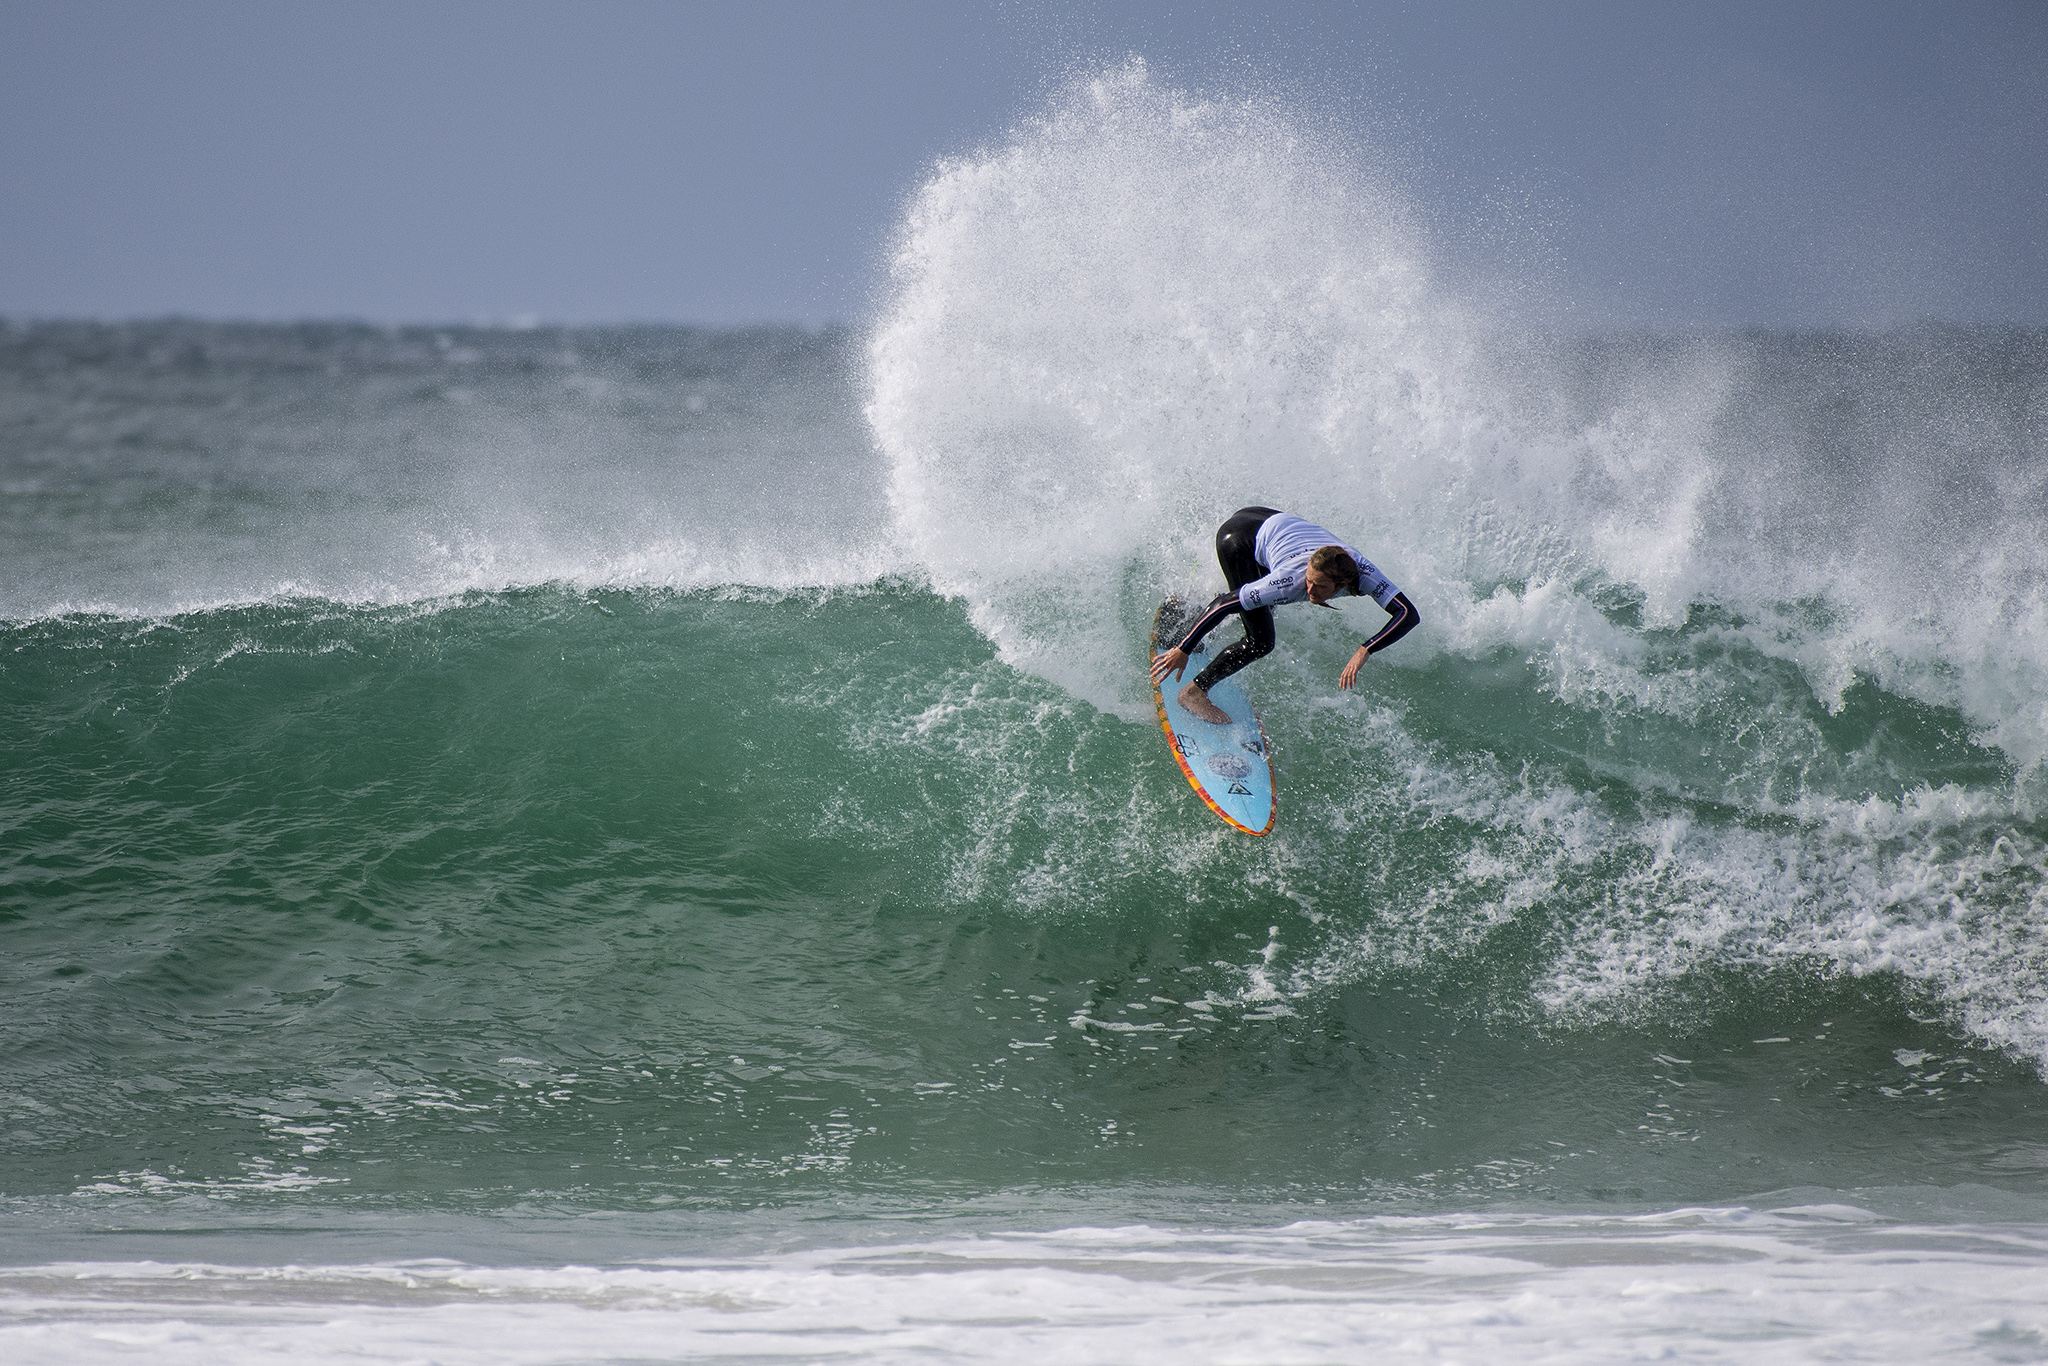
(639, 843)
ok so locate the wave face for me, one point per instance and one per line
(627, 774)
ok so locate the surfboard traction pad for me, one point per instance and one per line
(1167, 624)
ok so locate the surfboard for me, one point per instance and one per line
(1230, 767)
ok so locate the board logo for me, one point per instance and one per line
(1185, 745)
(1229, 766)
(1237, 789)
(1255, 746)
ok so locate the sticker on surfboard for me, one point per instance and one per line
(1229, 767)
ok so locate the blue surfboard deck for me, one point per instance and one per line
(1230, 767)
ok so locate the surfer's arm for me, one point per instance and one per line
(1221, 609)
(1174, 660)
(1402, 618)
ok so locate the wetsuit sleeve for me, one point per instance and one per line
(1375, 585)
(1225, 606)
(1404, 618)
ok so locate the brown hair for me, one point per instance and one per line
(1332, 560)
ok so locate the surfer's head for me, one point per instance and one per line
(1329, 570)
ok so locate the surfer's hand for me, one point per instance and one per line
(1350, 674)
(1172, 662)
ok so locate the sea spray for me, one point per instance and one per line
(1142, 311)
(1695, 634)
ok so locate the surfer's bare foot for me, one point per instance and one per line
(1201, 708)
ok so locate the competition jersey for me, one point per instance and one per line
(1283, 545)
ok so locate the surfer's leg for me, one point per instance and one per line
(1234, 540)
(1257, 643)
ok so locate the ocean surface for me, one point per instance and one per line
(645, 844)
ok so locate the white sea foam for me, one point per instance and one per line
(1801, 1283)
(1947, 888)
(437, 571)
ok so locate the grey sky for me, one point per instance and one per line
(1674, 165)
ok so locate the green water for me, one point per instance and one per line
(631, 900)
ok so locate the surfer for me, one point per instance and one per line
(1270, 558)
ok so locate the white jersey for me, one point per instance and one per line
(1283, 546)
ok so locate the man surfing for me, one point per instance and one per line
(1270, 558)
